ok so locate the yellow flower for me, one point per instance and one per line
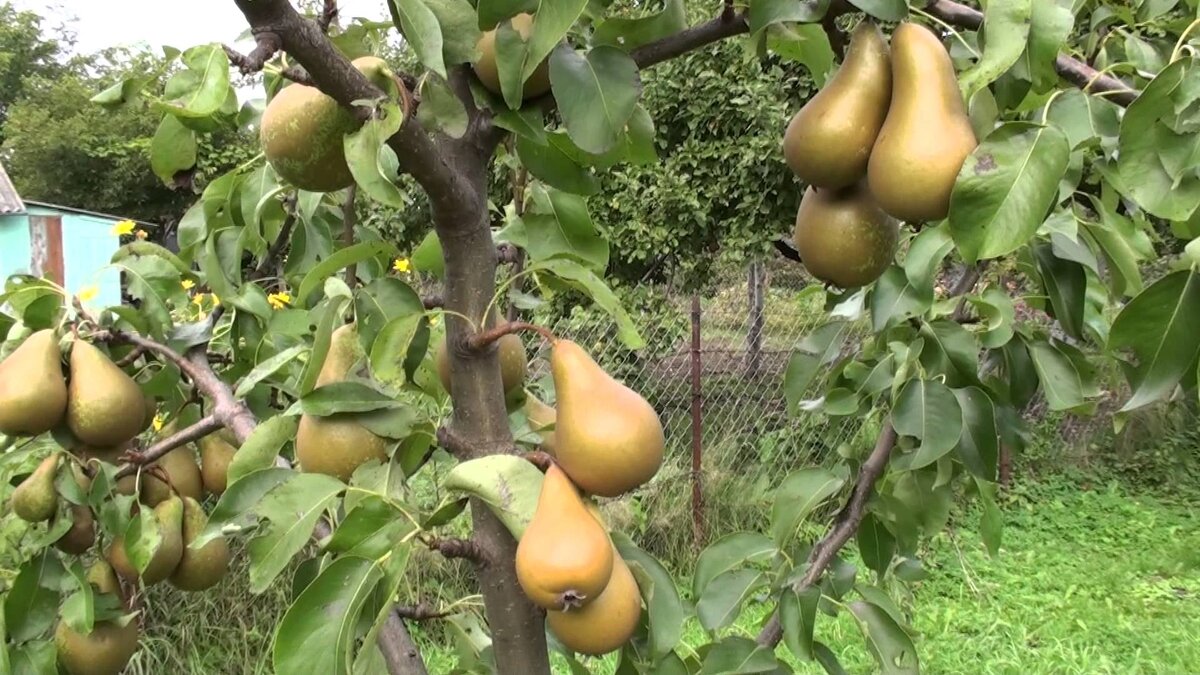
(402, 265)
(158, 422)
(123, 227)
(433, 321)
(88, 293)
(140, 234)
(187, 284)
(279, 300)
(216, 301)
(198, 299)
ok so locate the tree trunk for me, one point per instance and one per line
(480, 418)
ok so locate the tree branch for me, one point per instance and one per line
(195, 432)
(480, 340)
(266, 45)
(421, 611)
(725, 25)
(129, 358)
(453, 443)
(329, 13)
(965, 284)
(458, 548)
(281, 241)
(1072, 70)
(844, 526)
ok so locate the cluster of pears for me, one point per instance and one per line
(302, 130)
(113, 640)
(883, 140)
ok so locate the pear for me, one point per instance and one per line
(35, 499)
(337, 444)
(565, 558)
(150, 412)
(105, 407)
(843, 237)
(607, 438)
(514, 364)
(489, 73)
(33, 392)
(606, 623)
(540, 417)
(108, 648)
(828, 142)
(168, 515)
(927, 134)
(200, 568)
(216, 453)
(82, 534)
(181, 467)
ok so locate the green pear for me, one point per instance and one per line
(216, 453)
(35, 499)
(33, 392)
(199, 568)
(168, 516)
(107, 649)
(105, 407)
(843, 237)
(181, 467)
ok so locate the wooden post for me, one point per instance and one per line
(697, 430)
(46, 248)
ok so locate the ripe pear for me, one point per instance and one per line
(100, 575)
(200, 568)
(540, 417)
(33, 392)
(302, 131)
(337, 444)
(105, 407)
(607, 438)
(564, 559)
(927, 134)
(35, 499)
(215, 455)
(489, 73)
(181, 467)
(843, 237)
(169, 517)
(108, 648)
(828, 142)
(82, 534)
(150, 412)
(514, 364)
(606, 623)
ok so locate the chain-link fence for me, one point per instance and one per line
(714, 367)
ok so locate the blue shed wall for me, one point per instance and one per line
(14, 245)
(88, 246)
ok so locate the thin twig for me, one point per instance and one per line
(480, 340)
(195, 432)
(965, 284)
(129, 358)
(266, 45)
(421, 611)
(329, 13)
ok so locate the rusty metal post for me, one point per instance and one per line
(697, 430)
(46, 248)
(754, 335)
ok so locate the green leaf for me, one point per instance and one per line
(887, 10)
(394, 346)
(509, 485)
(210, 83)
(1049, 27)
(1005, 34)
(1123, 246)
(240, 498)
(371, 160)
(1005, 188)
(895, 299)
(1065, 282)
(596, 94)
(1084, 118)
(267, 368)
(547, 162)
(738, 656)
(1156, 124)
(951, 351)
(173, 149)
(925, 255)
(806, 44)
(121, 93)
(1160, 326)
(370, 530)
(816, 350)
(345, 257)
(441, 109)
(380, 302)
(422, 32)
(876, 544)
(799, 495)
(587, 281)
(318, 633)
(1061, 381)
(142, 539)
(728, 553)
(263, 446)
(345, 397)
(665, 608)
(558, 225)
(997, 311)
(721, 603)
(291, 511)
(460, 30)
(31, 601)
(427, 256)
(991, 522)
(798, 617)
(892, 648)
(631, 33)
(926, 410)
(979, 446)
(766, 13)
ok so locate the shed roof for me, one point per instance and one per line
(95, 214)
(10, 201)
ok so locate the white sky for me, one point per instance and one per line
(179, 23)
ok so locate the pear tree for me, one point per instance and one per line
(1082, 126)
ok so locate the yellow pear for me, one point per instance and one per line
(336, 445)
(606, 623)
(169, 518)
(489, 73)
(514, 364)
(216, 453)
(105, 407)
(82, 534)
(540, 417)
(829, 141)
(35, 499)
(607, 438)
(843, 237)
(180, 466)
(33, 391)
(564, 559)
(200, 568)
(927, 134)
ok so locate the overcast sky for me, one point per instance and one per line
(179, 23)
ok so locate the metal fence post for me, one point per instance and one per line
(754, 334)
(697, 429)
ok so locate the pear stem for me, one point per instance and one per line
(129, 358)
(481, 340)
